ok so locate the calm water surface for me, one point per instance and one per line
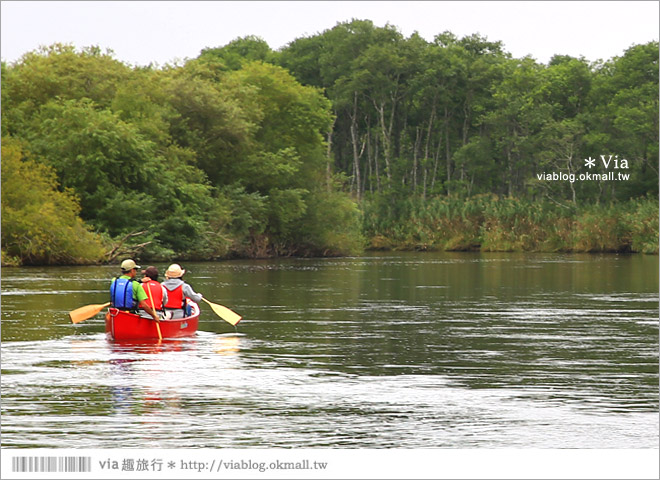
(405, 350)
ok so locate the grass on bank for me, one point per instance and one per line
(500, 224)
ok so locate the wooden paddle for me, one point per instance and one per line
(88, 311)
(223, 312)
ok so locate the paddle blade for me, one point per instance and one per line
(224, 313)
(88, 311)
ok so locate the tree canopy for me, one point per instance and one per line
(246, 151)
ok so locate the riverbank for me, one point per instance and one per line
(500, 224)
(486, 223)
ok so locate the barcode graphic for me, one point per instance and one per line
(51, 464)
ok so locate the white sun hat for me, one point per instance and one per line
(174, 271)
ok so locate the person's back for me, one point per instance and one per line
(126, 293)
(178, 292)
(121, 294)
(156, 294)
(176, 299)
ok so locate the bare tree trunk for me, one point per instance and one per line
(569, 164)
(436, 162)
(370, 158)
(364, 177)
(418, 141)
(328, 172)
(426, 171)
(355, 140)
(466, 130)
(376, 164)
(385, 136)
(429, 130)
(447, 152)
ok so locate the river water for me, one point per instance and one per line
(387, 350)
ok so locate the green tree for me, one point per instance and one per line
(240, 51)
(95, 154)
(40, 224)
(514, 123)
(58, 71)
(246, 151)
(124, 182)
(286, 167)
(625, 117)
(215, 120)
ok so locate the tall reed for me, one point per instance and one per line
(492, 223)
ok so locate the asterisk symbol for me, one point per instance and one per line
(589, 162)
(171, 465)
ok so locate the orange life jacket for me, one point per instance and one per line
(175, 297)
(154, 291)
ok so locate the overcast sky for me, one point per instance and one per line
(163, 32)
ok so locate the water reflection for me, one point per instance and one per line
(150, 378)
(127, 364)
(227, 344)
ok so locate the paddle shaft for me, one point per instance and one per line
(151, 297)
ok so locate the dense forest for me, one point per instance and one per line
(353, 138)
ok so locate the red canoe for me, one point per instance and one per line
(121, 325)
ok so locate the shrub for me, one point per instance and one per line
(40, 225)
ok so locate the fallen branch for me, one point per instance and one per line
(128, 250)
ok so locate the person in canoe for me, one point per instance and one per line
(127, 294)
(178, 292)
(156, 293)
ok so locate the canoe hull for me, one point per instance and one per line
(128, 326)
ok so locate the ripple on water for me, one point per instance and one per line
(204, 392)
(397, 351)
